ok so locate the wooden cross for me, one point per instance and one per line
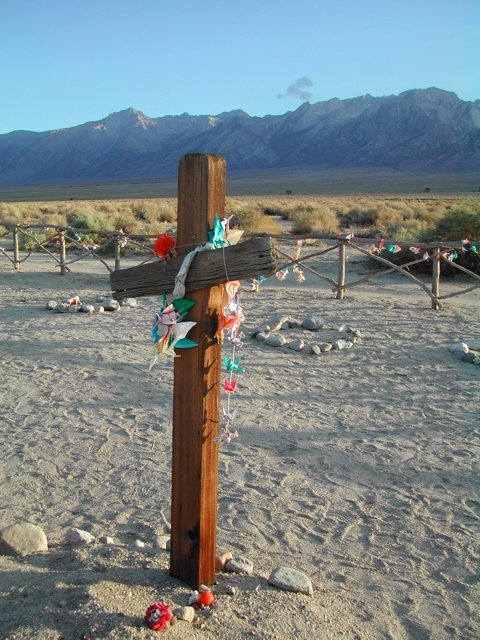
(197, 373)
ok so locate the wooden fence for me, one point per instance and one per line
(68, 238)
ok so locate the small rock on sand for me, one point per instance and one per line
(325, 346)
(76, 536)
(291, 580)
(296, 345)
(312, 323)
(459, 346)
(111, 305)
(22, 540)
(239, 565)
(138, 544)
(184, 613)
(222, 557)
(161, 542)
(275, 341)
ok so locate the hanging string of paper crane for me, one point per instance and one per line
(169, 328)
(448, 255)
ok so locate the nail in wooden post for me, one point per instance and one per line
(341, 270)
(16, 253)
(436, 276)
(197, 374)
(63, 253)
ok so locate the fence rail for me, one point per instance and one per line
(64, 238)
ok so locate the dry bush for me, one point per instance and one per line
(458, 223)
(406, 230)
(252, 220)
(11, 213)
(319, 222)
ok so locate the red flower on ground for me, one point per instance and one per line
(158, 616)
(164, 246)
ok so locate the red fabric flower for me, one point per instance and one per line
(164, 246)
(157, 616)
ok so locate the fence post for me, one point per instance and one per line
(16, 254)
(341, 269)
(436, 276)
(63, 253)
(118, 249)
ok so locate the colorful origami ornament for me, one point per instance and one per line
(217, 237)
(393, 248)
(229, 417)
(232, 313)
(226, 436)
(158, 616)
(299, 273)
(229, 386)
(169, 331)
(237, 339)
(231, 365)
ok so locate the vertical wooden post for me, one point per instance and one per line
(63, 253)
(16, 253)
(196, 393)
(118, 249)
(341, 269)
(436, 277)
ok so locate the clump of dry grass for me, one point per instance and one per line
(251, 218)
(411, 218)
(133, 216)
(312, 219)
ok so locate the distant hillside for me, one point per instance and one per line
(421, 130)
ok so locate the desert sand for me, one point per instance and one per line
(356, 467)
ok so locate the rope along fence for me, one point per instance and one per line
(65, 239)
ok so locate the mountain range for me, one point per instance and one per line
(421, 130)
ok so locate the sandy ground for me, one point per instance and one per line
(359, 467)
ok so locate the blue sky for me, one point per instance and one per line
(63, 63)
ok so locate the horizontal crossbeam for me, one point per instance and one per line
(249, 259)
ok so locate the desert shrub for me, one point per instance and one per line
(358, 217)
(458, 223)
(30, 242)
(54, 219)
(252, 220)
(107, 207)
(163, 212)
(84, 221)
(154, 210)
(406, 230)
(276, 210)
(314, 220)
(127, 223)
(11, 213)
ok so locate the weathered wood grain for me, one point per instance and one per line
(196, 387)
(249, 259)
